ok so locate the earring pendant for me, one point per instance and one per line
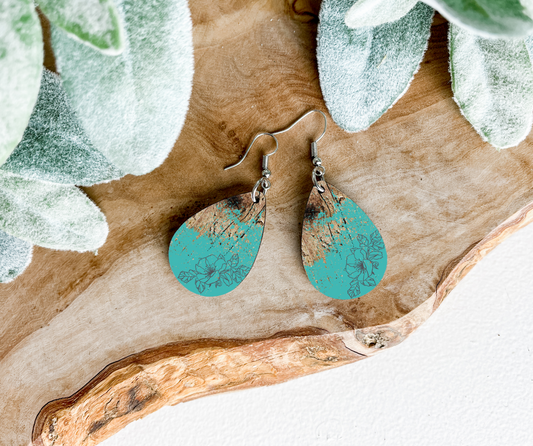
(343, 252)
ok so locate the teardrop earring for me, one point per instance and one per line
(342, 250)
(214, 250)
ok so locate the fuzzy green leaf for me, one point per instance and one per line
(364, 71)
(50, 215)
(21, 59)
(94, 22)
(54, 147)
(377, 12)
(492, 82)
(529, 45)
(133, 106)
(15, 256)
(488, 18)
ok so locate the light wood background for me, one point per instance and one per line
(113, 337)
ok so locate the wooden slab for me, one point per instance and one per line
(439, 196)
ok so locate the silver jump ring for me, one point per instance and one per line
(318, 174)
(319, 171)
(317, 185)
(265, 183)
(255, 191)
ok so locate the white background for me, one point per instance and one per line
(464, 378)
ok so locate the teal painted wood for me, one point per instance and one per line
(214, 250)
(342, 250)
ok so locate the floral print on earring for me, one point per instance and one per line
(213, 270)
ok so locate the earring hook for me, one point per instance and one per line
(272, 134)
(305, 115)
(265, 157)
(319, 170)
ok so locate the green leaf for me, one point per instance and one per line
(21, 59)
(54, 147)
(377, 12)
(492, 82)
(94, 22)
(133, 106)
(50, 215)
(496, 18)
(15, 256)
(364, 71)
(529, 46)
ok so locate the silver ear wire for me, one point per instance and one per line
(264, 181)
(265, 157)
(305, 115)
(319, 170)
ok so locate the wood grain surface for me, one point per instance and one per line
(440, 198)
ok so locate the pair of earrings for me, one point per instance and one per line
(342, 250)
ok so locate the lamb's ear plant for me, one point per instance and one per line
(21, 60)
(39, 204)
(15, 256)
(50, 215)
(369, 50)
(489, 18)
(118, 107)
(55, 147)
(133, 106)
(93, 22)
(364, 71)
(373, 13)
(492, 82)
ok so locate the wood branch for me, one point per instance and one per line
(141, 384)
(440, 197)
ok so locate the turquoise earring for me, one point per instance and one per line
(342, 250)
(214, 250)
